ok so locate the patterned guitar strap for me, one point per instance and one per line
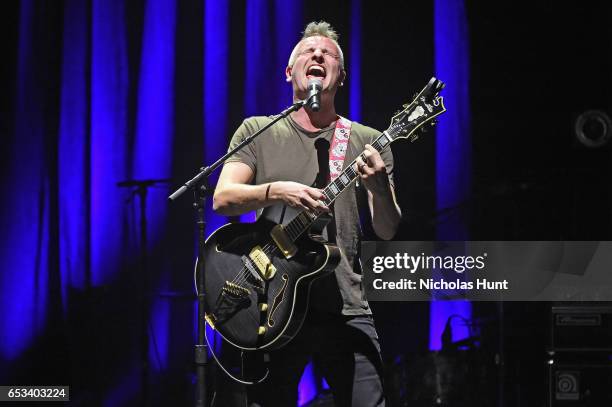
(337, 152)
(339, 145)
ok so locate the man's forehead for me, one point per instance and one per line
(317, 40)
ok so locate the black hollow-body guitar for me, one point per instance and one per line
(258, 275)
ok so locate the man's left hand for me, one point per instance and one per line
(373, 172)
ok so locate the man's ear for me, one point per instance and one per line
(288, 74)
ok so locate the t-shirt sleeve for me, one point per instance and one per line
(248, 154)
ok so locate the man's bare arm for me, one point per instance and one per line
(234, 195)
(385, 211)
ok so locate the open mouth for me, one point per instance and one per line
(316, 71)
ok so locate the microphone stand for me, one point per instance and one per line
(199, 184)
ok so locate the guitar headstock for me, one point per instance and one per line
(424, 108)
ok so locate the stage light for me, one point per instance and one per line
(593, 128)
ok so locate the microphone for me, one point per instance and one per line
(314, 88)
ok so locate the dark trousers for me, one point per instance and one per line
(344, 349)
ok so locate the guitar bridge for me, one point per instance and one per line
(235, 290)
(232, 299)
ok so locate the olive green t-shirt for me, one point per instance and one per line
(287, 152)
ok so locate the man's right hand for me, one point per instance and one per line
(234, 194)
(298, 195)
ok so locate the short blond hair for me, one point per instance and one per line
(321, 29)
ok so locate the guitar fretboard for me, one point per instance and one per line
(304, 220)
(425, 107)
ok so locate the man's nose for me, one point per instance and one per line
(318, 54)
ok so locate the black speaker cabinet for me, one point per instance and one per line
(584, 328)
(580, 380)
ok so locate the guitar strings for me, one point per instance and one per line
(242, 276)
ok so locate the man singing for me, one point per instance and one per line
(278, 168)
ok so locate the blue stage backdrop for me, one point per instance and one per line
(97, 98)
(453, 151)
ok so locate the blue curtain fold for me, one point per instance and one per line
(453, 150)
(26, 258)
(95, 102)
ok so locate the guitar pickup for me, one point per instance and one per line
(283, 241)
(259, 264)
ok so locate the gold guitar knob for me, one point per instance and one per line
(263, 307)
(261, 330)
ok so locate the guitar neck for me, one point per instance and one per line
(423, 109)
(305, 219)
